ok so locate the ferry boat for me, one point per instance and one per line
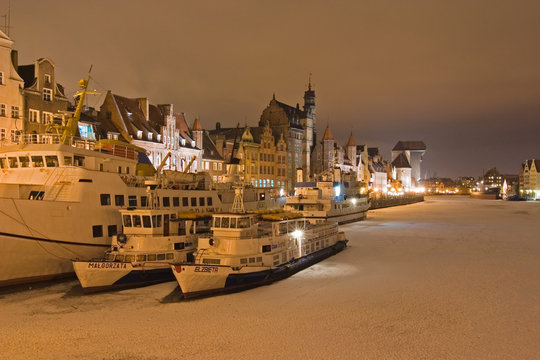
(141, 255)
(243, 252)
(59, 199)
(322, 201)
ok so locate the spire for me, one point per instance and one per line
(309, 82)
(274, 96)
(327, 134)
(351, 141)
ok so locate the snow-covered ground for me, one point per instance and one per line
(449, 278)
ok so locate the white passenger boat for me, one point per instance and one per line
(59, 200)
(141, 255)
(243, 252)
(322, 201)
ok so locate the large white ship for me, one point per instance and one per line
(59, 199)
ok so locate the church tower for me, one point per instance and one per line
(309, 109)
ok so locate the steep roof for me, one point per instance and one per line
(409, 145)
(401, 161)
(327, 134)
(373, 151)
(196, 125)
(27, 73)
(134, 118)
(351, 141)
(210, 152)
(182, 126)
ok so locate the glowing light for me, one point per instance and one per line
(353, 201)
(282, 192)
(297, 233)
(337, 190)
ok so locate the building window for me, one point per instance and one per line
(15, 112)
(166, 201)
(150, 136)
(2, 134)
(13, 135)
(97, 231)
(46, 117)
(219, 166)
(139, 134)
(47, 79)
(47, 94)
(2, 109)
(33, 116)
(215, 166)
(206, 165)
(132, 201)
(1, 78)
(105, 199)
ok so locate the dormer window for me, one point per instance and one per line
(47, 78)
(149, 136)
(183, 141)
(47, 94)
(159, 137)
(193, 143)
(139, 134)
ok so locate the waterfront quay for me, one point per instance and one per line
(446, 278)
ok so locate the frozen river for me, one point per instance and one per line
(449, 278)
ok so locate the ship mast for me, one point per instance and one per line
(238, 203)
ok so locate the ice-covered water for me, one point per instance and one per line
(449, 278)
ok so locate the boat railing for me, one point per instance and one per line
(46, 139)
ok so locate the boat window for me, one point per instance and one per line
(179, 246)
(151, 257)
(110, 257)
(201, 201)
(37, 161)
(119, 200)
(243, 261)
(173, 216)
(225, 222)
(68, 161)
(170, 256)
(144, 201)
(127, 220)
(132, 201)
(209, 201)
(259, 259)
(13, 162)
(166, 201)
(24, 161)
(51, 161)
(243, 223)
(156, 220)
(130, 258)
(97, 231)
(160, 256)
(185, 201)
(36, 195)
(146, 221)
(141, 257)
(193, 201)
(137, 221)
(217, 222)
(211, 261)
(105, 199)
(78, 160)
(233, 223)
(3, 163)
(176, 201)
(112, 230)
(251, 260)
(266, 248)
(283, 228)
(119, 258)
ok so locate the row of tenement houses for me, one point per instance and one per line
(280, 150)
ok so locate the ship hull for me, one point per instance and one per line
(197, 280)
(97, 276)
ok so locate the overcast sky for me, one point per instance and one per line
(463, 76)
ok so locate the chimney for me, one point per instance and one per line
(143, 103)
(218, 126)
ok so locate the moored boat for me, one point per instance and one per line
(140, 256)
(243, 252)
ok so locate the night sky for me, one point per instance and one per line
(463, 76)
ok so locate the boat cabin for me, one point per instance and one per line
(155, 222)
(234, 225)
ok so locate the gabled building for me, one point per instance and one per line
(156, 128)
(414, 151)
(401, 170)
(378, 172)
(11, 84)
(44, 101)
(529, 180)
